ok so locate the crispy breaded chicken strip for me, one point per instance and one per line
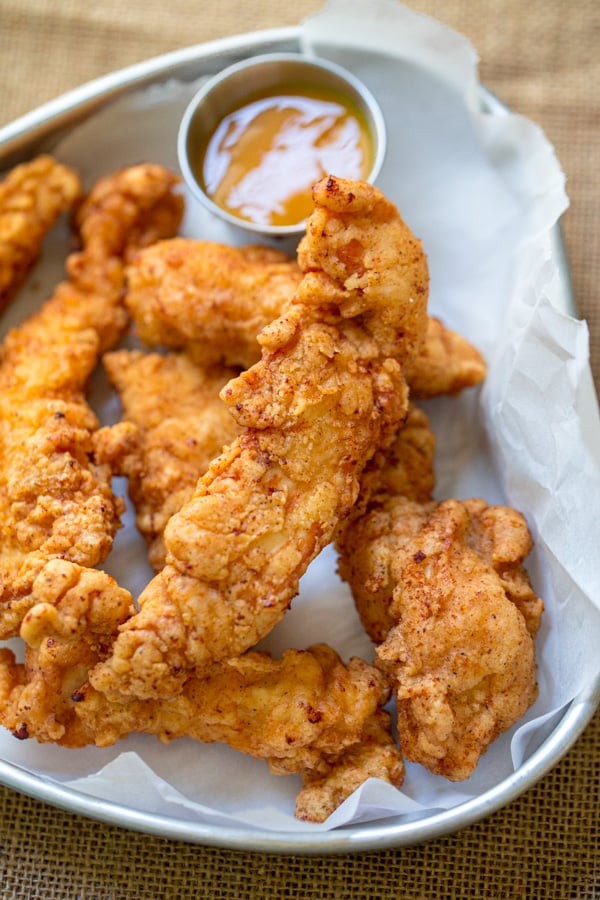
(306, 712)
(327, 393)
(442, 590)
(174, 424)
(32, 196)
(209, 299)
(212, 301)
(55, 500)
(460, 656)
(71, 624)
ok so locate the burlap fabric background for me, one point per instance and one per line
(542, 58)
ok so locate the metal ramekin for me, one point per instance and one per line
(236, 84)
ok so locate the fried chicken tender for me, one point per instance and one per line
(70, 626)
(461, 657)
(55, 499)
(174, 425)
(305, 713)
(32, 197)
(327, 393)
(441, 588)
(208, 298)
(212, 301)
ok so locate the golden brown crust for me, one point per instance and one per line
(458, 648)
(32, 197)
(71, 624)
(307, 712)
(365, 545)
(375, 756)
(442, 590)
(174, 424)
(461, 657)
(213, 300)
(210, 299)
(55, 499)
(324, 397)
(447, 364)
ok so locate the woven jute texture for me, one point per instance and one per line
(544, 845)
(542, 58)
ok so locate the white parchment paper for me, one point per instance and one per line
(483, 191)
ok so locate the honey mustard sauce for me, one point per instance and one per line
(263, 158)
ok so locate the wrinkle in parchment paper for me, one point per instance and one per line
(483, 191)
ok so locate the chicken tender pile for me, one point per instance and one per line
(272, 419)
(212, 301)
(327, 393)
(55, 498)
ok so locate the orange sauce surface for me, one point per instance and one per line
(263, 158)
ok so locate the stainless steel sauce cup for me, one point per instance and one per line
(238, 83)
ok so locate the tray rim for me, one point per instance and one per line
(33, 132)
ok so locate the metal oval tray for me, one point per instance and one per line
(39, 131)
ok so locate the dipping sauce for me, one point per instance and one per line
(262, 159)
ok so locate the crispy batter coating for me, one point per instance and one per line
(306, 712)
(365, 546)
(375, 756)
(55, 499)
(208, 298)
(174, 424)
(403, 468)
(212, 301)
(71, 625)
(442, 590)
(461, 657)
(447, 364)
(328, 392)
(32, 197)
(503, 538)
